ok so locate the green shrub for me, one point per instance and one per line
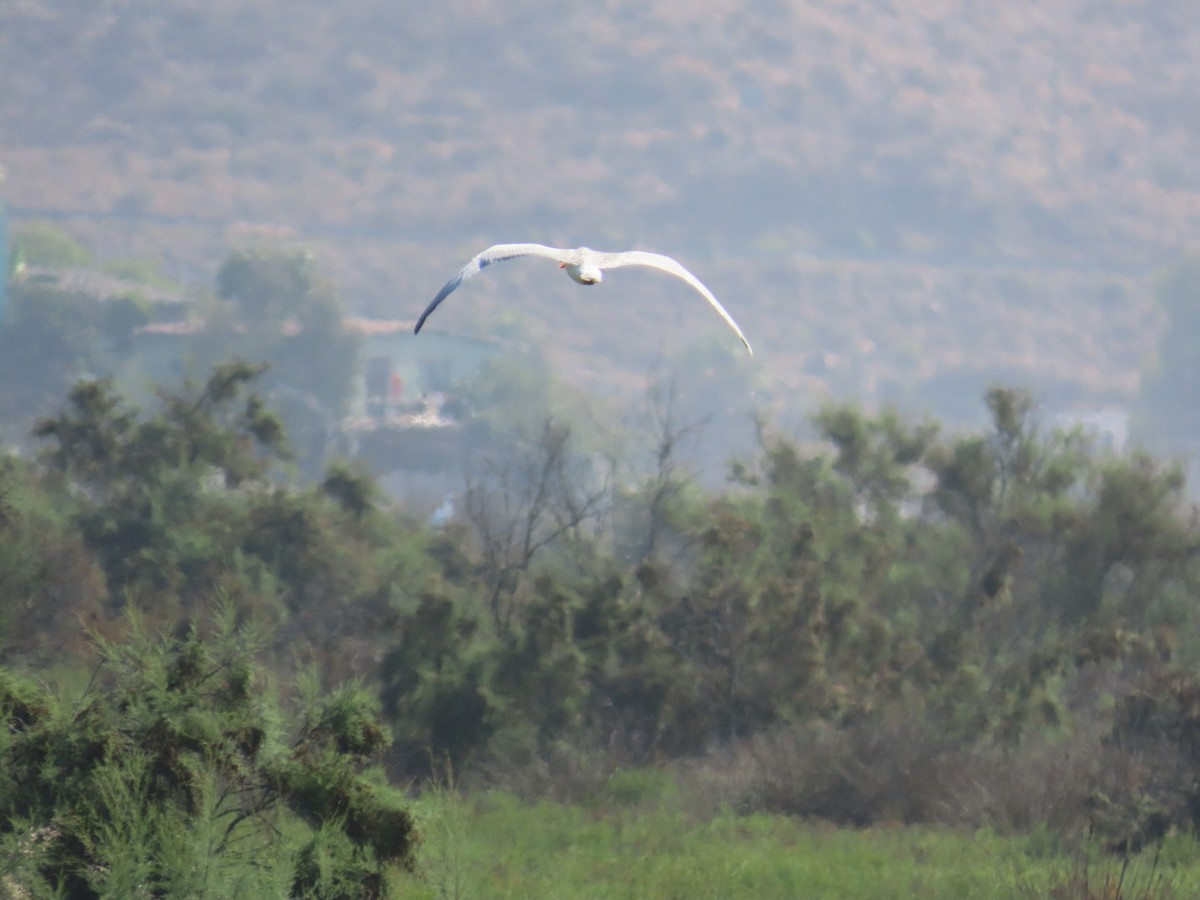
(178, 775)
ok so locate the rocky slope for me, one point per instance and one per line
(892, 198)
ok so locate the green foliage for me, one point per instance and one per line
(48, 340)
(513, 392)
(53, 335)
(322, 779)
(164, 507)
(978, 585)
(355, 490)
(119, 318)
(150, 508)
(272, 308)
(433, 685)
(47, 573)
(176, 775)
(876, 457)
(514, 396)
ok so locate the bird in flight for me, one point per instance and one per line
(584, 266)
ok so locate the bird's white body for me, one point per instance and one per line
(585, 266)
(587, 270)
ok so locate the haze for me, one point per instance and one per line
(897, 201)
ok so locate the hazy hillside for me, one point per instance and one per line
(888, 196)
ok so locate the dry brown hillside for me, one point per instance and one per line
(891, 197)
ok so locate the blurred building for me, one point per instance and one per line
(402, 371)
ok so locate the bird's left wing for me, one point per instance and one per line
(493, 254)
(669, 265)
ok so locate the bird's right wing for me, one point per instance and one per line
(672, 267)
(494, 254)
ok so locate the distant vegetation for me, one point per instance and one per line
(68, 317)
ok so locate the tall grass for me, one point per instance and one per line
(1084, 871)
(637, 840)
(444, 820)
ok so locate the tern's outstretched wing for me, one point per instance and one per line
(495, 254)
(667, 264)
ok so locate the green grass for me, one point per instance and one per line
(495, 846)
